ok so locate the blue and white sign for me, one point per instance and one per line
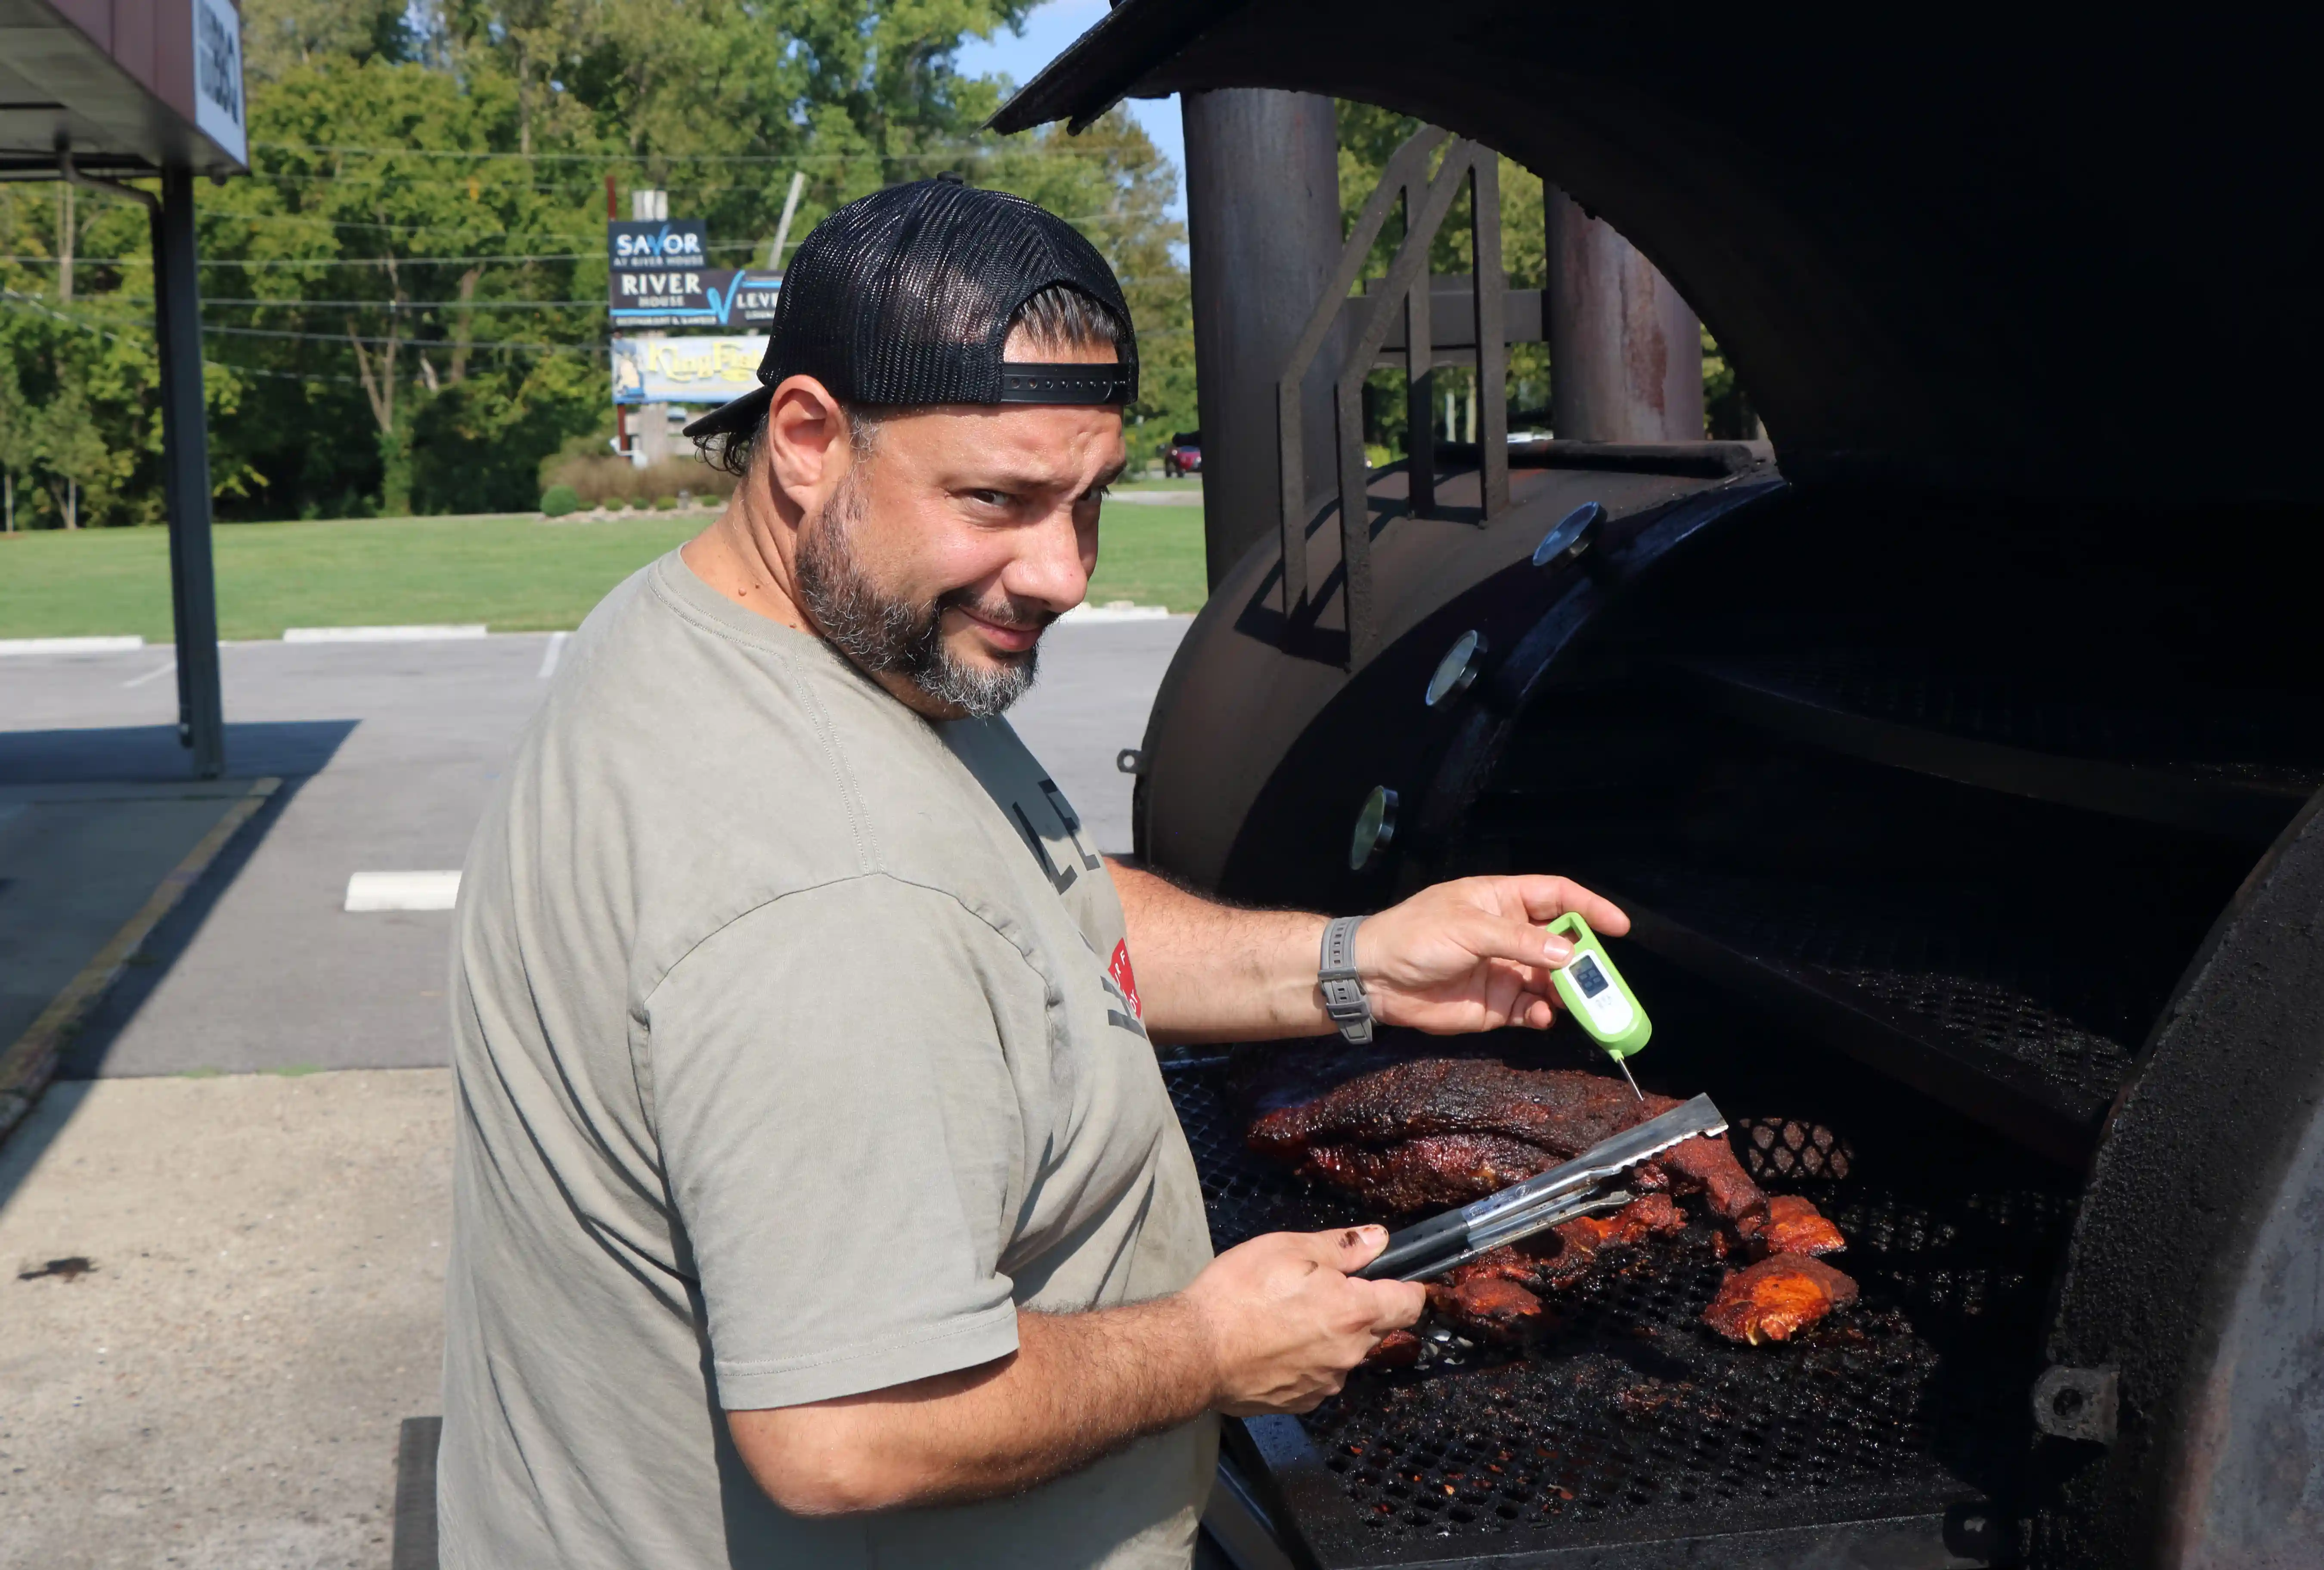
(657, 245)
(692, 297)
(220, 111)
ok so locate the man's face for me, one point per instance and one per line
(938, 562)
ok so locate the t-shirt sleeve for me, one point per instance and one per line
(841, 1134)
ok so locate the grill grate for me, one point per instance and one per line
(1632, 1415)
(1943, 963)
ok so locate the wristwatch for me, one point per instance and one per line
(1343, 990)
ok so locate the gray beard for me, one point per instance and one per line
(884, 634)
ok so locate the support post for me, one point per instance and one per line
(1262, 240)
(1625, 351)
(186, 475)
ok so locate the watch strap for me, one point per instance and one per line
(1343, 990)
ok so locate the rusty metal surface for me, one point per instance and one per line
(1628, 349)
(1263, 231)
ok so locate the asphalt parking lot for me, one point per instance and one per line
(387, 751)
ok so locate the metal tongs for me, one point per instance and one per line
(1538, 1204)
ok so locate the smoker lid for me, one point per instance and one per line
(2018, 248)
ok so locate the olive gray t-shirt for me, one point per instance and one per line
(798, 1048)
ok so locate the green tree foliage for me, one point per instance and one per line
(402, 306)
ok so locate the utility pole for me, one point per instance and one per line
(1625, 351)
(783, 227)
(1262, 239)
(650, 436)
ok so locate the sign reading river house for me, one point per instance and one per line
(657, 276)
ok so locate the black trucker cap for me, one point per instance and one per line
(903, 298)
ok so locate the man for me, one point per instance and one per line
(818, 1201)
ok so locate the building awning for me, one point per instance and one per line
(128, 86)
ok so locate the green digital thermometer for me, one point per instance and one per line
(1596, 995)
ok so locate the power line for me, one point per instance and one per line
(595, 351)
(937, 155)
(35, 308)
(413, 305)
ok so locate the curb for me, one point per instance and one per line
(31, 1062)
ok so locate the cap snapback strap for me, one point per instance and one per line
(1025, 383)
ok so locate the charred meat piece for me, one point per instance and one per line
(1491, 1306)
(1396, 1349)
(1777, 1297)
(1791, 1227)
(1499, 1294)
(1438, 1132)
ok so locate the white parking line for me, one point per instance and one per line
(163, 669)
(548, 656)
(402, 891)
(414, 634)
(70, 645)
(1113, 611)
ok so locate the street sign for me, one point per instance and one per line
(691, 370)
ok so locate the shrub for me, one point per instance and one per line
(559, 500)
(602, 479)
(665, 503)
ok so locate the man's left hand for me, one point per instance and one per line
(1473, 955)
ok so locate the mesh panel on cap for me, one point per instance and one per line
(904, 297)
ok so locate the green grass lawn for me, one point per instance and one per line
(515, 574)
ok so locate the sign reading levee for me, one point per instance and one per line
(686, 370)
(692, 297)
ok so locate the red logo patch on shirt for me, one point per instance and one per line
(1123, 978)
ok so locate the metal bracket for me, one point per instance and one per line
(2079, 1403)
(1426, 202)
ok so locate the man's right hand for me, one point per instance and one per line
(1286, 1321)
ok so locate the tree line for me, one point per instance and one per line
(403, 305)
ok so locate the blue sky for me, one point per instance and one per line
(1048, 31)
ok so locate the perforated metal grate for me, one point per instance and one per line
(2068, 999)
(1630, 1413)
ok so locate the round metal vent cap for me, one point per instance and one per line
(1375, 826)
(1457, 672)
(1568, 536)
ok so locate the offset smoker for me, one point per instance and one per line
(1959, 762)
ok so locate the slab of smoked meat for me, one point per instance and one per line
(1791, 1227)
(1438, 1132)
(1776, 1299)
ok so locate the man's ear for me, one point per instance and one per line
(807, 443)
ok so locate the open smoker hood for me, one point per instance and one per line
(2020, 248)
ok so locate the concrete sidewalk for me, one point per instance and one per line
(262, 1304)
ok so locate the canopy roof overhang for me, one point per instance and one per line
(2021, 249)
(130, 87)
